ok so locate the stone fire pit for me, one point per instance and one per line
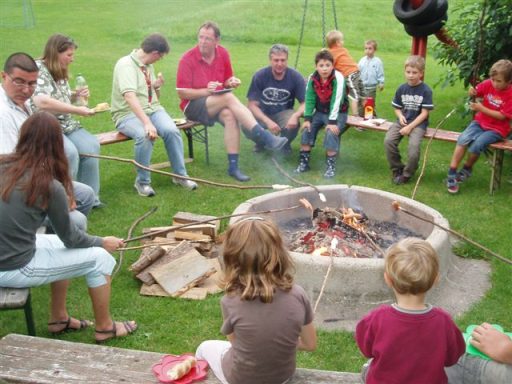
(356, 285)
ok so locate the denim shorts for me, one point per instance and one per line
(320, 120)
(477, 139)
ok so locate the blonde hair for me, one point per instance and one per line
(256, 261)
(502, 67)
(416, 61)
(412, 266)
(373, 43)
(333, 37)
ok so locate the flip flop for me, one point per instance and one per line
(127, 326)
(67, 328)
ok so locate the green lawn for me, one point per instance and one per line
(107, 30)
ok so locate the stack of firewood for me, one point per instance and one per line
(181, 261)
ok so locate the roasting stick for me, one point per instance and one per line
(334, 244)
(130, 231)
(277, 187)
(255, 213)
(280, 169)
(396, 206)
(425, 156)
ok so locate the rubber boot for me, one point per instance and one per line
(265, 139)
(303, 162)
(330, 169)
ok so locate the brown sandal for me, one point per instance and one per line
(67, 328)
(127, 326)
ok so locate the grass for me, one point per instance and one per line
(107, 30)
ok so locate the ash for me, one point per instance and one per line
(357, 237)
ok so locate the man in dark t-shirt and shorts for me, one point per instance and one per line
(272, 96)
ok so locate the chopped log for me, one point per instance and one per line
(182, 272)
(166, 229)
(147, 256)
(180, 250)
(182, 235)
(153, 290)
(187, 217)
(193, 284)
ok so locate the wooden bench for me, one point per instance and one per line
(18, 298)
(194, 131)
(498, 149)
(27, 359)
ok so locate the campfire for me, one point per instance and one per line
(343, 232)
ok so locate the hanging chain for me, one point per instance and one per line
(334, 15)
(301, 32)
(323, 23)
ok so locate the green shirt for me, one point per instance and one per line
(129, 77)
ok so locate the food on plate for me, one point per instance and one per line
(180, 121)
(181, 369)
(101, 107)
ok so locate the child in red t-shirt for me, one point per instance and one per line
(491, 123)
(409, 341)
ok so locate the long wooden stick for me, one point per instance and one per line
(280, 169)
(425, 156)
(154, 233)
(396, 206)
(130, 231)
(202, 181)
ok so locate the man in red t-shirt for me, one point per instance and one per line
(204, 83)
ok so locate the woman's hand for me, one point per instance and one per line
(84, 111)
(111, 243)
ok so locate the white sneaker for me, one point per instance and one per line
(144, 190)
(185, 183)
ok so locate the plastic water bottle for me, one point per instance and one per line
(369, 108)
(81, 84)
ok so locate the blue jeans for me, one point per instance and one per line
(52, 261)
(475, 370)
(83, 169)
(132, 127)
(320, 120)
(476, 138)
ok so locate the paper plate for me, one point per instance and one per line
(470, 349)
(180, 121)
(221, 91)
(161, 368)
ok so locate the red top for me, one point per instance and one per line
(194, 72)
(495, 100)
(409, 347)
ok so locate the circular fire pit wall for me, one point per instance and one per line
(352, 277)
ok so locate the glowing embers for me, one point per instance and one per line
(357, 236)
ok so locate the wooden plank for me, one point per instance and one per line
(112, 137)
(188, 217)
(26, 359)
(11, 298)
(177, 252)
(180, 272)
(153, 290)
(185, 235)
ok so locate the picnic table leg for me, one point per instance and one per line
(496, 169)
(189, 134)
(207, 151)
(27, 308)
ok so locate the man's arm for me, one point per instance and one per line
(254, 107)
(295, 118)
(133, 102)
(192, 94)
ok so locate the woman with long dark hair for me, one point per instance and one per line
(35, 183)
(53, 94)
